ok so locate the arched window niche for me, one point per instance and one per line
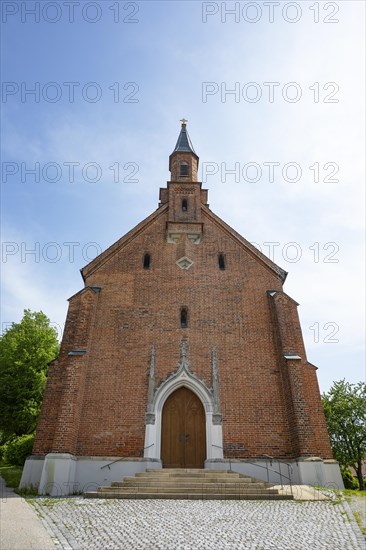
(184, 317)
(221, 261)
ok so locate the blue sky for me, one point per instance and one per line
(132, 82)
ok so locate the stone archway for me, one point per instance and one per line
(183, 431)
(157, 397)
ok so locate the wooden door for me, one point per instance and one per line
(183, 433)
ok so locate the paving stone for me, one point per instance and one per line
(82, 524)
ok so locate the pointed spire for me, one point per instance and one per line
(184, 144)
(184, 152)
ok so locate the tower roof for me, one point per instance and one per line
(184, 143)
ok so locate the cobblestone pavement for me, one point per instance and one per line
(358, 507)
(75, 523)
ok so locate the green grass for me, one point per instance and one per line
(351, 494)
(27, 492)
(11, 474)
(359, 523)
(344, 492)
(354, 493)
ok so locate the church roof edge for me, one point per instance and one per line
(108, 252)
(271, 265)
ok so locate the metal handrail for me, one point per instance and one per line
(110, 464)
(289, 467)
(121, 458)
(279, 460)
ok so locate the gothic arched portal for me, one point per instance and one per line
(183, 435)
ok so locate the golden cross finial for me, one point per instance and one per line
(184, 121)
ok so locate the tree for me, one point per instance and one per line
(26, 348)
(345, 413)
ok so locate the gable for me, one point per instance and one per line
(115, 248)
(241, 241)
(207, 217)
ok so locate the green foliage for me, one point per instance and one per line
(17, 450)
(26, 348)
(345, 413)
(2, 451)
(350, 482)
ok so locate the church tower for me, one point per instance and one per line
(181, 350)
(184, 195)
(183, 162)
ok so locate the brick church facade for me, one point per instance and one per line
(182, 350)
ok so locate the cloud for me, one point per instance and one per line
(223, 131)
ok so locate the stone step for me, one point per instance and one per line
(185, 483)
(190, 496)
(164, 471)
(141, 481)
(188, 489)
(190, 484)
(188, 474)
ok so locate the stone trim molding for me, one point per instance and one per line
(183, 377)
(217, 416)
(150, 416)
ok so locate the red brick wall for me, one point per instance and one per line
(177, 159)
(95, 403)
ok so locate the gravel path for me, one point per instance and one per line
(20, 528)
(191, 525)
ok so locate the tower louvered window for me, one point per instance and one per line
(184, 169)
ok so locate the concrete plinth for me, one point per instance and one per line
(65, 474)
(302, 471)
(59, 474)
